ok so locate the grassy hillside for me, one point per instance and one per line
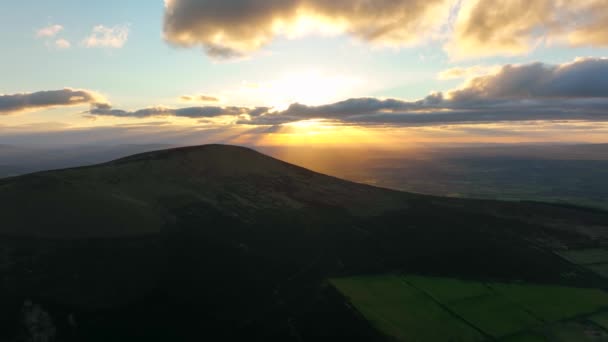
(223, 242)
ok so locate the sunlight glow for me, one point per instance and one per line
(310, 87)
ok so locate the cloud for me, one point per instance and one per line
(188, 112)
(107, 37)
(227, 29)
(514, 27)
(577, 90)
(467, 73)
(49, 31)
(583, 78)
(570, 91)
(199, 98)
(45, 99)
(469, 28)
(62, 44)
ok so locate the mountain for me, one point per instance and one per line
(222, 242)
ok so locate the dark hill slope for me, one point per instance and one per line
(223, 243)
(135, 195)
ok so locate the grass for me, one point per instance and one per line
(473, 300)
(446, 290)
(525, 337)
(494, 314)
(552, 303)
(403, 312)
(575, 332)
(440, 309)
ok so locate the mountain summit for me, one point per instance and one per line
(135, 195)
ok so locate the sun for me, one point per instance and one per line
(309, 86)
(313, 87)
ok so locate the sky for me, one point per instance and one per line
(304, 72)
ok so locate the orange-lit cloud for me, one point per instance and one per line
(480, 27)
(199, 98)
(514, 27)
(236, 28)
(468, 72)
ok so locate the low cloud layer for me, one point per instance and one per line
(479, 27)
(235, 28)
(45, 99)
(583, 78)
(571, 91)
(189, 112)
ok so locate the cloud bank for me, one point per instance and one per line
(576, 90)
(570, 91)
(479, 27)
(189, 112)
(235, 28)
(45, 99)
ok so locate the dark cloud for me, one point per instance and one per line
(234, 28)
(583, 78)
(188, 112)
(418, 114)
(45, 99)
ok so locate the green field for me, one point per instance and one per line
(525, 337)
(576, 332)
(402, 311)
(494, 314)
(552, 303)
(448, 290)
(413, 307)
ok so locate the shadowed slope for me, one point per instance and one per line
(134, 195)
